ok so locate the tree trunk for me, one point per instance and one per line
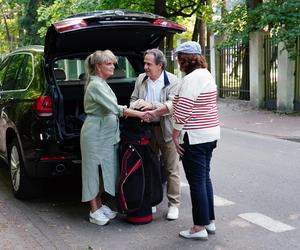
(223, 9)
(196, 30)
(245, 87)
(202, 34)
(252, 4)
(160, 7)
(7, 30)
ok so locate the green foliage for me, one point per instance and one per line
(31, 18)
(9, 29)
(233, 26)
(61, 9)
(280, 17)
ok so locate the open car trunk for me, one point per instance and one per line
(71, 94)
(68, 42)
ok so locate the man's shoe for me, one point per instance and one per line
(211, 228)
(110, 214)
(98, 217)
(201, 235)
(173, 213)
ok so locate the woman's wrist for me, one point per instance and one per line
(152, 106)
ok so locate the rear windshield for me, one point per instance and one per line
(74, 69)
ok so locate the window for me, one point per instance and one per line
(3, 68)
(123, 68)
(19, 72)
(74, 68)
(25, 74)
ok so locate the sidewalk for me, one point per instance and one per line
(239, 115)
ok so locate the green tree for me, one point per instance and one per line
(279, 17)
(9, 29)
(18, 23)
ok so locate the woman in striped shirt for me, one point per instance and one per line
(195, 134)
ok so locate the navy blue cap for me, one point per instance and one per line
(189, 47)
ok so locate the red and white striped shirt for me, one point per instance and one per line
(195, 107)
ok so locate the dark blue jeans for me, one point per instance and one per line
(196, 164)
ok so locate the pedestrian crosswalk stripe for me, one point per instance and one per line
(266, 222)
(219, 201)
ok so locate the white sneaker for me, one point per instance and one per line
(98, 217)
(201, 235)
(211, 228)
(173, 213)
(110, 214)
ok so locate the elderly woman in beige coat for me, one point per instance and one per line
(100, 135)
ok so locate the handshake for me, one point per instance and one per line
(148, 116)
(144, 110)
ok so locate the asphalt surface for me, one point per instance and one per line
(17, 232)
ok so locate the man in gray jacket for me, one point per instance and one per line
(154, 88)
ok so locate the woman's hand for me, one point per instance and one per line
(149, 116)
(175, 136)
(143, 105)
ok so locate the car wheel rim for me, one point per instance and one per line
(15, 168)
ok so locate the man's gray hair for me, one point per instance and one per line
(159, 57)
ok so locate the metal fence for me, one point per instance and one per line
(172, 65)
(234, 72)
(270, 73)
(297, 78)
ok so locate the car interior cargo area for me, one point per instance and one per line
(70, 78)
(72, 92)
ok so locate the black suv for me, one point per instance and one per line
(42, 88)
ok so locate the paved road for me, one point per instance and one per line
(257, 185)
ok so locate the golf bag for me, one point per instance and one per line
(139, 186)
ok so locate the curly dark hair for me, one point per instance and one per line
(190, 62)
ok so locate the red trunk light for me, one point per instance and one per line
(52, 158)
(43, 106)
(71, 24)
(168, 24)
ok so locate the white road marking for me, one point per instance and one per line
(266, 222)
(218, 201)
(221, 202)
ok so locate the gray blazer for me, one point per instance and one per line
(166, 97)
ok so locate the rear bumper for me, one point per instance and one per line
(46, 165)
(50, 159)
(52, 168)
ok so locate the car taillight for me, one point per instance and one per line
(43, 106)
(168, 24)
(71, 24)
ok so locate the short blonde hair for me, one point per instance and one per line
(98, 57)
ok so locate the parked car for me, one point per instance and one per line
(42, 88)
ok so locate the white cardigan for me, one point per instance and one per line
(195, 108)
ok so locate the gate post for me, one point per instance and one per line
(286, 80)
(215, 60)
(256, 49)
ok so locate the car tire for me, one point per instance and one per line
(23, 187)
